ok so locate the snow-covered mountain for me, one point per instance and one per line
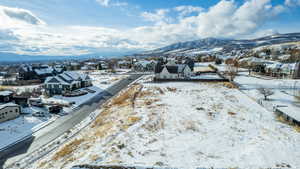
(226, 45)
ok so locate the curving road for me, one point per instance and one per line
(44, 136)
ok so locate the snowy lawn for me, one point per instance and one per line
(284, 91)
(13, 130)
(182, 125)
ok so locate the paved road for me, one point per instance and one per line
(61, 125)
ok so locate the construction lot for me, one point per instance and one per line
(182, 125)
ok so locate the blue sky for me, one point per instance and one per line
(128, 25)
(90, 13)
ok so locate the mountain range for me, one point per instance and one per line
(225, 45)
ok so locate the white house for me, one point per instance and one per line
(181, 71)
(9, 111)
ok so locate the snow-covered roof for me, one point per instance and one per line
(74, 64)
(67, 77)
(8, 105)
(56, 80)
(143, 63)
(26, 68)
(42, 71)
(73, 75)
(274, 66)
(284, 57)
(5, 93)
(289, 66)
(85, 68)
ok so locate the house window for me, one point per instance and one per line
(17, 110)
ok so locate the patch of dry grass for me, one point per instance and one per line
(67, 149)
(132, 120)
(100, 120)
(103, 130)
(155, 123)
(42, 164)
(150, 101)
(230, 85)
(159, 90)
(94, 157)
(117, 116)
(127, 97)
(283, 120)
(145, 93)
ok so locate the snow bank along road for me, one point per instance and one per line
(62, 125)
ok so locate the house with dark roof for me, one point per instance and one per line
(66, 82)
(173, 71)
(37, 72)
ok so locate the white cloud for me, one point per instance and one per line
(108, 3)
(27, 34)
(103, 2)
(292, 3)
(15, 17)
(188, 9)
(226, 19)
(159, 16)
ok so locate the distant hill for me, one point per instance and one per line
(225, 45)
(12, 57)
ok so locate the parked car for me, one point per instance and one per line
(55, 109)
(36, 102)
(39, 114)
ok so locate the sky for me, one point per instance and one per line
(80, 27)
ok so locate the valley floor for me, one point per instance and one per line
(182, 125)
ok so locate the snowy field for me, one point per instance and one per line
(284, 91)
(25, 125)
(182, 125)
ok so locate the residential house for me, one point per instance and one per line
(58, 69)
(66, 82)
(90, 66)
(36, 72)
(73, 66)
(296, 74)
(144, 65)
(286, 70)
(9, 111)
(124, 64)
(179, 71)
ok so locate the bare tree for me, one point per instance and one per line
(231, 71)
(265, 92)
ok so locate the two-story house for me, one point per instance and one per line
(66, 82)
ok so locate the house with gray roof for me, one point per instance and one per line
(66, 82)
